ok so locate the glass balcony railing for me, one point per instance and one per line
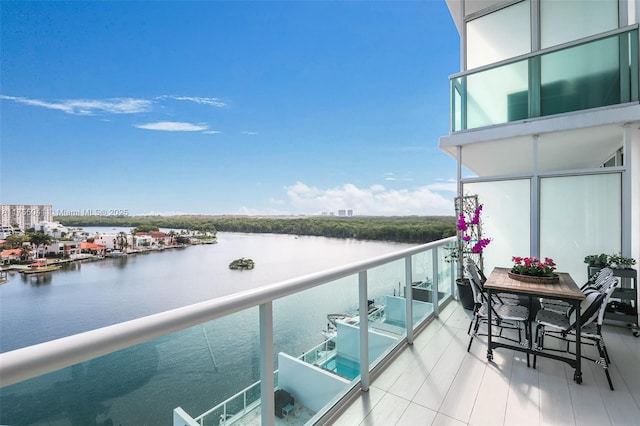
(213, 363)
(591, 74)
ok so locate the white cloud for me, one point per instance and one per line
(448, 185)
(199, 100)
(390, 176)
(173, 126)
(245, 132)
(374, 200)
(212, 132)
(88, 106)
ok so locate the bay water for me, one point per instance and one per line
(195, 368)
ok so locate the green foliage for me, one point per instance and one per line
(15, 241)
(406, 229)
(242, 263)
(40, 239)
(145, 228)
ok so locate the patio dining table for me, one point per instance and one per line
(566, 289)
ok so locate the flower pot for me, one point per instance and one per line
(534, 278)
(465, 293)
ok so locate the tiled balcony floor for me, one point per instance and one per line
(437, 382)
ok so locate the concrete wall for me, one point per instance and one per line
(309, 385)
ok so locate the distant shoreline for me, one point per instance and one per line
(401, 229)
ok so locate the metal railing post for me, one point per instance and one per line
(266, 364)
(434, 287)
(364, 331)
(408, 294)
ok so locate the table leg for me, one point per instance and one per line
(577, 376)
(489, 349)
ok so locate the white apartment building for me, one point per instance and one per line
(545, 126)
(25, 216)
(110, 241)
(55, 229)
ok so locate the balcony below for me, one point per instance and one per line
(436, 381)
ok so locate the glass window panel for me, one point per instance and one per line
(422, 283)
(563, 21)
(498, 36)
(446, 272)
(498, 95)
(505, 219)
(579, 216)
(572, 80)
(457, 105)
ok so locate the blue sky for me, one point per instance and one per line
(227, 107)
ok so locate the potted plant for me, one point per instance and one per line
(532, 269)
(617, 261)
(469, 243)
(600, 260)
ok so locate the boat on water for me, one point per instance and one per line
(117, 253)
(40, 267)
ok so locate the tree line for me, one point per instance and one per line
(405, 229)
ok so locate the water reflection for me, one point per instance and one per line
(36, 280)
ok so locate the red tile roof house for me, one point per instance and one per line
(158, 236)
(92, 248)
(12, 255)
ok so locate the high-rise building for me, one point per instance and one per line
(25, 216)
(545, 126)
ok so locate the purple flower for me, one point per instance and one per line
(476, 215)
(462, 225)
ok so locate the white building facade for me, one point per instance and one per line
(54, 229)
(25, 216)
(545, 126)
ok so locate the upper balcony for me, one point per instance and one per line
(594, 72)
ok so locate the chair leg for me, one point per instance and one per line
(475, 330)
(603, 363)
(527, 330)
(538, 341)
(604, 349)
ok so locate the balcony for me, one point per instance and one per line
(436, 381)
(553, 81)
(101, 376)
(433, 380)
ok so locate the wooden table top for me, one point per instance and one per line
(566, 288)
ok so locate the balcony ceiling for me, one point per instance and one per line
(569, 142)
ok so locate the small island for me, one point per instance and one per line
(242, 263)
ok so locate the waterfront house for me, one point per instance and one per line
(159, 238)
(142, 239)
(110, 241)
(13, 255)
(92, 248)
(68, 249)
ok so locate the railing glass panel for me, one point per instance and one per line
(559, 81)
(571, 80)
(195, 369)
(212, 370)
(497, 95)
(445, 275)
